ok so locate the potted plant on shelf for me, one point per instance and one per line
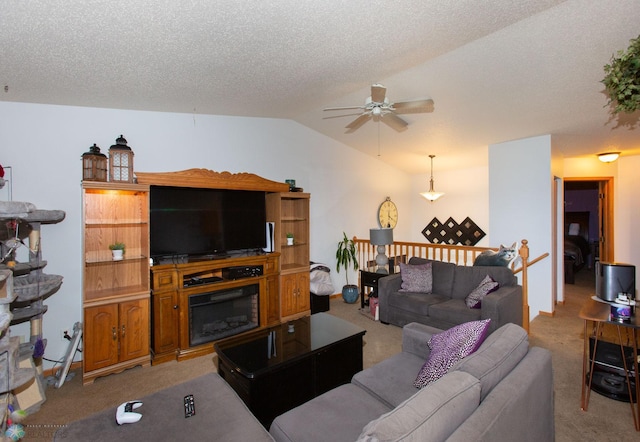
(117, 251)
(346, 257)
(289, 239)
(622, 79)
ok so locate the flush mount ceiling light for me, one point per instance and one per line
(431, 195)
(608, 157)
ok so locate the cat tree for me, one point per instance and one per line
(23, 290)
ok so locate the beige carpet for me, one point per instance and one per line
(605, 420)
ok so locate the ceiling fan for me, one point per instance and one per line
(379, 108)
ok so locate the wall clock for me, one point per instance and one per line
(388, 214)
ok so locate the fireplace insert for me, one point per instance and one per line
(222, 313)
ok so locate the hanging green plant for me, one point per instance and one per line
(622, 79)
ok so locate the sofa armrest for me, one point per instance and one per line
(386, 286)
(415, 337)
(503, 306)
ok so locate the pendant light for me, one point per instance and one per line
(431, 195)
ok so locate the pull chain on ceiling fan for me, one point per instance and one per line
(377, 107)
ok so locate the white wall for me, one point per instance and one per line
(627, 212)
(521, 206)
(43, 145)
(466, 194)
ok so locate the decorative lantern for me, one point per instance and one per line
(121, 161)
(94, 165)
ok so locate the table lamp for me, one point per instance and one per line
(381, 238)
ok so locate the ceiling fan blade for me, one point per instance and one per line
(340, 116)
(394, 122)
(378, 92)
(413, 107)
(343, 108)
(355, 124)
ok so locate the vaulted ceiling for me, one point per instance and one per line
(497, 70)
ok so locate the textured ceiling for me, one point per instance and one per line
(497, 69)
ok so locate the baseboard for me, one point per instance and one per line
(550, 315)
(52, 371)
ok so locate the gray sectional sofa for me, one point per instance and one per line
(502, 392)
(445, 307)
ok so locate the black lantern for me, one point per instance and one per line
(94, 165)
(121, 162)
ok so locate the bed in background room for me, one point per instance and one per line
(576, 244)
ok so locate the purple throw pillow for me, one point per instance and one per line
(449, 347)
(488, 285)
(416, 278)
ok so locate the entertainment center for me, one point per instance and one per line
(196, 269)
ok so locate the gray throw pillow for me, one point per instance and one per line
(416, 278)
(488, 285)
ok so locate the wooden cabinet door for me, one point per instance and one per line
(100, 336)
(304, 297)
(134, 329)
(295, 294)
(165, 322)
(288, 295)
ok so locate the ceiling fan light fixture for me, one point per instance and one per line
(608, 157)
(431, 195)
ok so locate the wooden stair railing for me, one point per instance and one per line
(401, 251)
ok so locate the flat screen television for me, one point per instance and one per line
(194, 222)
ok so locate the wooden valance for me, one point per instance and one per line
(204, 178)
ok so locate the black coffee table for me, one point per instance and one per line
(276, 369)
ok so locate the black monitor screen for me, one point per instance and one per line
(191, 221)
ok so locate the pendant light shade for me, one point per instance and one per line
(431, 195)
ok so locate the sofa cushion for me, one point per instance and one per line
(454, 311)
(416, 278)
(415, 302)
(449, 347)
(496, 357)
(391, 380)
(339, 414)
(432, 414)
(488, 285)
(220, 415)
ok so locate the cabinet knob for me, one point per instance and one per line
(114, 333)
(123, 331)
(175, 307)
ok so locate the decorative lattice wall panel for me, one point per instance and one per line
(466, 233)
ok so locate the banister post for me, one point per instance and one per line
(524, 254)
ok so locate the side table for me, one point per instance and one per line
(599, 314)
(369, 280)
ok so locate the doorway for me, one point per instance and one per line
(593, 196)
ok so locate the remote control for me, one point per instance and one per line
(189, 406)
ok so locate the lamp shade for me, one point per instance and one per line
(381, 237)
(431, 195)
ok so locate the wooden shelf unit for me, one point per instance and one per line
(116, 294)
(170, 297)
(289, 211)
